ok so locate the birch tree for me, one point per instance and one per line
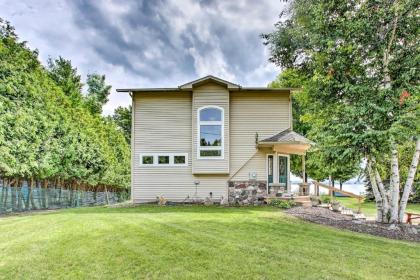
(362, 61)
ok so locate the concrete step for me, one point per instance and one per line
(305, 201)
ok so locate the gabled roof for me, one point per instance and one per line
(288, 136)
(209, 78)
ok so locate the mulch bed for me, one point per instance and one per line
(324, 216)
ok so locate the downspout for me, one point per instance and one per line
(132, 146)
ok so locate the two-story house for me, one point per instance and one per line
(211, 137)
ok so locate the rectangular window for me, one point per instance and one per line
(210, 153)
(163, 159)
(179, 160)
(147, 160)
(210, 135)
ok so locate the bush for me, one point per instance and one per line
(325, 199)
(284, 204)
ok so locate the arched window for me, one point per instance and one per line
(210, 132)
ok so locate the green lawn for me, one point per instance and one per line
(369, 208)
(193, 243)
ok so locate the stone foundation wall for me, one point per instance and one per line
(247, 192)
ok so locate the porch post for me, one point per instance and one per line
(303, 169)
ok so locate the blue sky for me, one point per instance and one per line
(159, 43)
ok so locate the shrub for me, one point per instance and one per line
(325, 199)
(284, 204)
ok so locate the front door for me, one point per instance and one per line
(282, 164)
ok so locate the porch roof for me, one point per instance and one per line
(288, 142)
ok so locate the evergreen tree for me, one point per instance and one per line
(66, 77)
(47, 135)
(122, 117)
(98, 93)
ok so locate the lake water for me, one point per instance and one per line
(353, 185)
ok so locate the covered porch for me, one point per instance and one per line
(283, 145)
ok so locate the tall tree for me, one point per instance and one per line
(45, 135)
(98, 92)
(66, 77)
(362, 59)
(122, 117)
(321, 162)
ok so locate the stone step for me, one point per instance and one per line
(302, 199)
(305, 201)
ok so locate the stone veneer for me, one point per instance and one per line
(247, 192)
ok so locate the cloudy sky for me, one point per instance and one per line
(151, 43)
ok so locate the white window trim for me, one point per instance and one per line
(211, 148)
(171, 159)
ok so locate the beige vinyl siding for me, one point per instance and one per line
(162, 124)
(210, 95)
(260, 112)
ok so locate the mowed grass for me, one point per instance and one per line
(369, 208)
(152, 242)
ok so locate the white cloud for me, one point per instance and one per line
(151, 43)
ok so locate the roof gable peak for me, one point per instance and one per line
(209, 78)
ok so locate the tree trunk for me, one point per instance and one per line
(20, 198)
(27, 203)
(376, 193)
(4, 202)
(31, 194)
(3, 191)
(106, 195)
(394, 183)
(387, 52)
(409, 182)
(71, 194)
(384, 194)
(44, 193)
(59, 195)
(13, 189)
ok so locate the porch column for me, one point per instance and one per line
(304, 186)
(303, 169)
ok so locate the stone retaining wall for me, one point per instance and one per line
(247, 192)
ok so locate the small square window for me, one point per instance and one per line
(147, 160)
(163, 159)
(179, 159)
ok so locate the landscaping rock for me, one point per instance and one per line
(324, 216)
(224, 201)
(208, 201)
(161, 200)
